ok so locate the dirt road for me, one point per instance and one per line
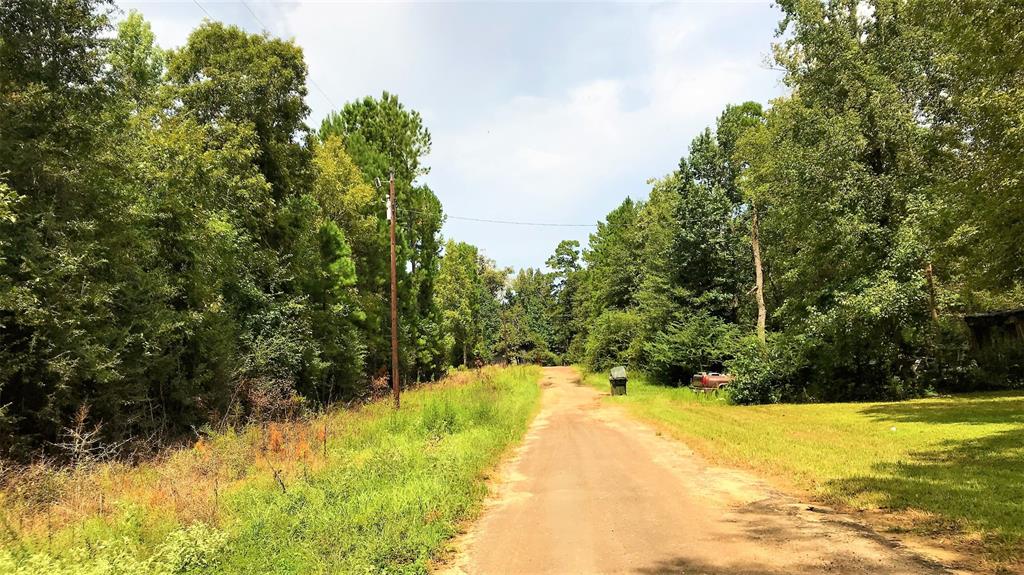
(593, 491)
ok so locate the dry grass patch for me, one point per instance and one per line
(385, 489)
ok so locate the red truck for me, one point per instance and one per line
(713, 381)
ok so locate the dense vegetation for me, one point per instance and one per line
(178, 247)
(828, 245)
(370, 490)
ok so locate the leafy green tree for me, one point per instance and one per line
(334, 318)
(458, 293)
(136, 61)
(695, 255)
(612, 262)
(566, 266)
(225, 75)
(72, 283)
(690, 344)
(610, 339)
(972, 99)
(526, 320)
(385, 138)
(841, 170)
(493, 287)
(345, 198)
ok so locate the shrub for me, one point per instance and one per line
(865, 345)
(697, 343)
(1000, 364)
(769, 372)
(610, 338)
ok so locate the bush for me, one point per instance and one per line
(1000, 364)
(540, 356)
(577, 351)
(769, 372)
(698, 343)
(866, 344)
(610, 338)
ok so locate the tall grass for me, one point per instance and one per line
(371, 490)
(949, 465)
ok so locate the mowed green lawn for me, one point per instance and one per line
(958, 459)
(388, 493)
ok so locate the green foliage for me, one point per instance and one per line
(493, 283)
(692, 344)
(225, 75)
(74, 292)
(886, 202)
(383, 139)
(677, 264)
(769, 372)
(410, 477)
(459, 290)
(136, 61)
(612, 266)
(173, 240)
(610, 338)
(526, 324)
(566, 296)
(191, 550)
(972, 98)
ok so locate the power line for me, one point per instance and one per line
(515, 223)
(255, 17)
(208, 15)
(308, 77)
(506, 222)
(267, 28)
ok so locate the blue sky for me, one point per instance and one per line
(538, 112)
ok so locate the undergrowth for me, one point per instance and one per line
(368, 490)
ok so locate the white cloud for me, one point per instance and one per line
(550, 158)
(538, 112)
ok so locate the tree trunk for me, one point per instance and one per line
(464, 353)
(755, 244)
(931, 292)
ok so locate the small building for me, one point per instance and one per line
(996, 328)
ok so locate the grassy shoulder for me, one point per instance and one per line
(952, 465)
(370, 490)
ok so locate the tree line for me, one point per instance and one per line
(826, 246)
(179, 248)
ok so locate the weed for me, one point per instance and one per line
(366, 490)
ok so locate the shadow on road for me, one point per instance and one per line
(766, 524)
(840, 563)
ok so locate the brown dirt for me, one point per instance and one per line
(592, 490)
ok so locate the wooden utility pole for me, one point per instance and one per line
(395, 389)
